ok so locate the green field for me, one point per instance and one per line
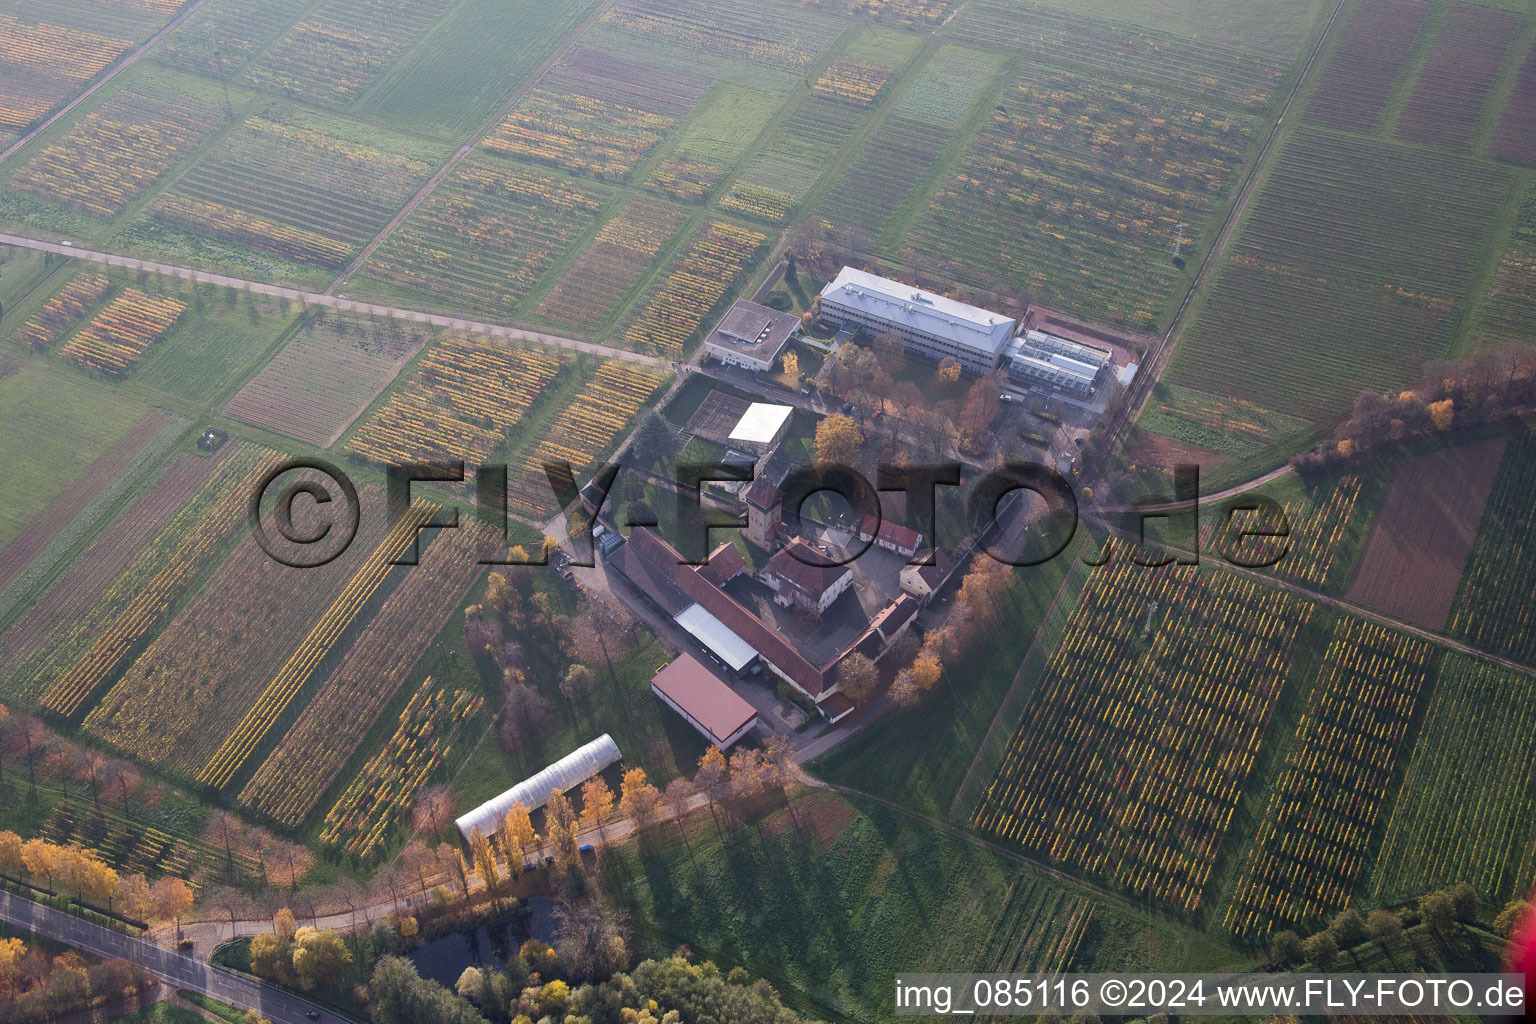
(1467, 808)
(832, 910)
(1073, 192)
(919, 757)
(1351, 238)
(55, 425)
(1493, 610)
(469, 64)
(650, 735)
(212, 349)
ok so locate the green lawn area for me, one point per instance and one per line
(159, 1013)
(730, 118)
(55, 425)
(648, 734)
(1279, 26)
(469, 64)
(918, 757)
(831, 911)
(211, 350)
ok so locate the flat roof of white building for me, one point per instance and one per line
(717, 636)
(892, 301)
(761, 423)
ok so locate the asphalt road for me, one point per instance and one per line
(170, 967)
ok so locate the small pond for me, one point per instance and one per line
(444, 958)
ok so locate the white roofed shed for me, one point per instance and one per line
(565, 774)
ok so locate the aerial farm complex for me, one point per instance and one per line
(691, 511)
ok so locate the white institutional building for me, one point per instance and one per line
(929, 324)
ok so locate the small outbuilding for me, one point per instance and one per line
(719, 714)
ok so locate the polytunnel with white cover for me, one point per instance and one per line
(533, 792)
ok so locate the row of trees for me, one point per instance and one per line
(655, 992)
(69, 868)
(1439, 911)
(36, 987)
(1460, 395)
(304, 957)
(26, 740)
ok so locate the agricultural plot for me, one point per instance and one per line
(187, 691)
(735, 29)
(1039, 929)
(923, 14)
(364, 817)
(326, 376)
(596, 114)
(118, 336)
(333, 55)
(470, 64)
(587, 293)
(712, 141)
(1493, 609)
(1424, 532)
(753, 197)
(1467, 809)
(1132, 756)
(949, 85)
(855, 82)
(223, 36)
(71, 596)
(1515, 137)
(466, 394)
(482, 238)
(871, 194)
(1232, 427)
(125, 614)
(55, 427)
(126, 846)
(1454, 85)
(284, 688)
(1314, 840)
(147, 438)
(42, 64)
(1075, 190)
(214, 345)
(117, 151)
(81, 295)
(1508, 313)
(1114, 51)
(697, 283)
(588, 427)
(302, 186)
(313, 753)
(1357, 80)
(1349, 238)
(1318, 547)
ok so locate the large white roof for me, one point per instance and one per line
(899, 303)
(717, 636)
(567, 773)
(761, 423)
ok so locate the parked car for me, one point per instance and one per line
(1007, 398)
(588, 848)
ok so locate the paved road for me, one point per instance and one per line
(172, 968)
(331, 301)
(124, 65)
